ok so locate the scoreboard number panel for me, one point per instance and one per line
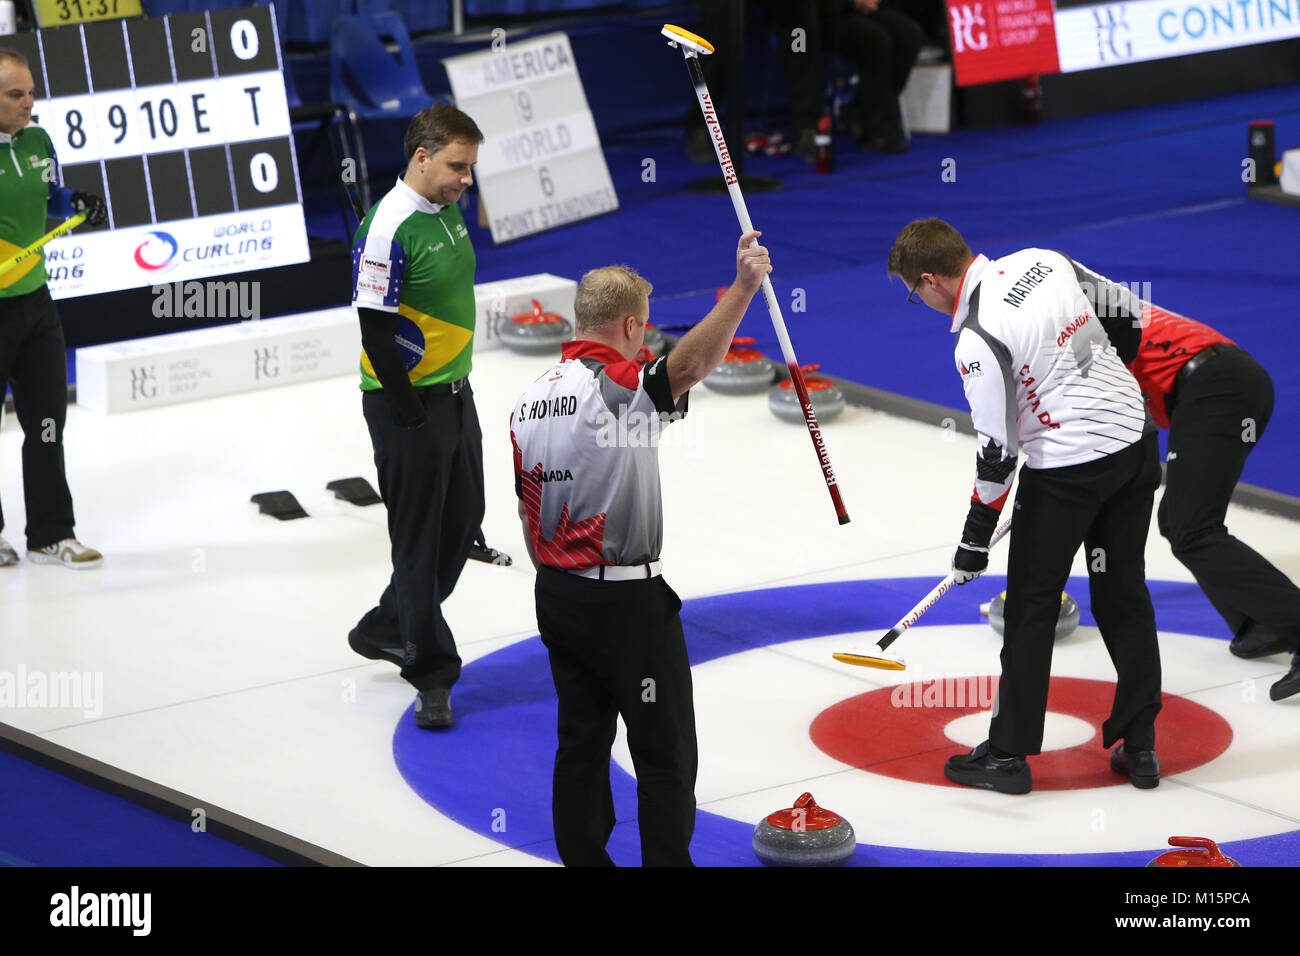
(182, 125)
(171, 204)
(260, 173)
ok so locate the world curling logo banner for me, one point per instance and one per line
(192, 249)
(764, 682)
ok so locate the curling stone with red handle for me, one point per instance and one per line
(743, 371)
(827, 399)
(1203, 852)
(534, 333)
(654, 339)
(804, 835)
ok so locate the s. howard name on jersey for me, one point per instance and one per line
(586, 457)
(541, 408)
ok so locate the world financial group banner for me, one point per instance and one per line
(1007, 39)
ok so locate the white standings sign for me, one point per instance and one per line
(540, 165)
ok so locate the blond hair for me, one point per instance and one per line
(928, 245)
(607, 295)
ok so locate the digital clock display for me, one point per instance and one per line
(58, 13)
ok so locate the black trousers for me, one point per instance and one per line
(884, 45)
(431, 480)
(617, 648)
(1220, 413)
(1104, 505)
(34, 363)
(805, 83)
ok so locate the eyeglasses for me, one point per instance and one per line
(911, 296)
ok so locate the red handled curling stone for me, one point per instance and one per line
(804, 835)
(743, 371)
(828, 401)
(654, 339)
(1066, 623)
(1203, 852)
(536, 332)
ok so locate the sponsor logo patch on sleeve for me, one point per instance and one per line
(374, 274)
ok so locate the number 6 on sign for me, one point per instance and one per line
(264, 172)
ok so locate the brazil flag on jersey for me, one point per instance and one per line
(414, 258)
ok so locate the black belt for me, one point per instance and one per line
(447, 387)
(1191, 365)
(1200, 358)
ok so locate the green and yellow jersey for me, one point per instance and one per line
(413, 257)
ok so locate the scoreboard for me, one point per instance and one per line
(182, 125)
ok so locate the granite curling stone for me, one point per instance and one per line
(804, 835)
(744, 371)
(1202, 851)
(534, 333)
(654, 339)
(1066, 623)
(827, 399)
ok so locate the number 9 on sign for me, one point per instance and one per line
(264, 173)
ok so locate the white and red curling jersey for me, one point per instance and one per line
(586, 444)
(1038, 369)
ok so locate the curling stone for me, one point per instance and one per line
(828, 401)
(1065, 624)
(533, 333)
(654, 339)
(1204, 852)
(804, 835)
(743, 371)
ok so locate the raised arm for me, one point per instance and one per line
(703, 348)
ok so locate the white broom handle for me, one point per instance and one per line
(929, 601)
(737, 198)
(769, 295)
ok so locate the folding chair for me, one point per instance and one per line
(324, 116)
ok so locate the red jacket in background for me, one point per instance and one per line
(1168, 341)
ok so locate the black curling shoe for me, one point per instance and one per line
(980, 768)
(433, 709)
(1288, 685)
(1141, 768)
(1258, 641)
